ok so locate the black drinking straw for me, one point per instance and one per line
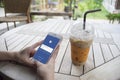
(85, 14)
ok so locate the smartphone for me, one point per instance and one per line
(47, 48)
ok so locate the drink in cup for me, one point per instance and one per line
(80, 43)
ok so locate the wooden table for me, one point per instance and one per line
(104, 50)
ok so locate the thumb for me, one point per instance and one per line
(37, 63)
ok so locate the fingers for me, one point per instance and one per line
(55, 52)
(34, 62)
(30, 62)
(52, 59)
(36, 44)
(32, 53)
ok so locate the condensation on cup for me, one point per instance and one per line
(81, 41)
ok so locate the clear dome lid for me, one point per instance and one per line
(77, 32)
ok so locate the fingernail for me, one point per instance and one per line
(31, 59)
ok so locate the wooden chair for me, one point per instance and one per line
(16, 11)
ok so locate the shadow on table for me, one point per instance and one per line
(4, 77)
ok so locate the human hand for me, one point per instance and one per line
(24, 55)
(46, 71)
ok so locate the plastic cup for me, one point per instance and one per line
(81, 41)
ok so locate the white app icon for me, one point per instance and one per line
(50, 41)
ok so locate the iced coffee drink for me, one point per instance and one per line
(81, 41)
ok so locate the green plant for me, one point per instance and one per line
(113, 17)
(55, 0)
(1, 4)
(98, 3)
(67, 1)
(37, 2)
(82, 7)
(86, 5)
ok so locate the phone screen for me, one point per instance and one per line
(44, 52)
